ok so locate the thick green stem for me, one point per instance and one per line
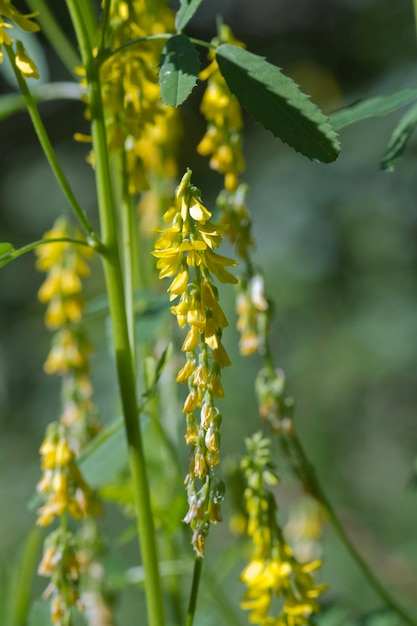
(129, 256)
(198, 568)
(122, 347)
(50, 153)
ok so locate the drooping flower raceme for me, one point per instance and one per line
(222, 140)
(185, 252)
(62, 487)
(273, 570)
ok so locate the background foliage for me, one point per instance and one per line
(338, 244)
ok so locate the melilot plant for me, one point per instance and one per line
(133, 67)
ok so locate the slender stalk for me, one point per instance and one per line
(122, 347)
(104, 23)
(55, 35)
(50, 154)
(134, 42)
(15, 254)
(198, 568)
(415, 13)
(315, 489)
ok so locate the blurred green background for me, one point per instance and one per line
(338, 244)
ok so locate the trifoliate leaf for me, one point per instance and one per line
(373, 107)
(277, 102)
(179, 70)
(399, 139)
(186, 12)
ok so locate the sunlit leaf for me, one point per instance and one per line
(373, 107)
(186, 12)
(399, 139)
(179, 70)
(277, 102)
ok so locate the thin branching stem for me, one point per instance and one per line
(51, 155)
(305, 469)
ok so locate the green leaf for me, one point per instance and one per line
(373, 107)
(105, 456)
(14, 102)
(6, 248)
(6, 253)
(179, 70)
(186, 12)
(153, 370)
(40, 614)
(277, 102)
(399, 139)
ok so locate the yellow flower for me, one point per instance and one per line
(24, 63)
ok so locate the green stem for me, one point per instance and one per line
(129, 257)
(315, 489)
(415, 13)
(55, 35)
(50, 153)
(104, 24)
(122, 349)
(198, 568)
(15, 254)
(134, 42)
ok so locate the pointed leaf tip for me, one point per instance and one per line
(275, 101)
(185, 13)
(179, 70)
(399, 139)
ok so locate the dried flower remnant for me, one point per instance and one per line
(185, 252)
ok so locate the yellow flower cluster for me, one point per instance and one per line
(138, 122)
(9, 13)
(273, 570)
(62, 485)
(60, 563)
(222, 140)
(65, 266)
(185, 252)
